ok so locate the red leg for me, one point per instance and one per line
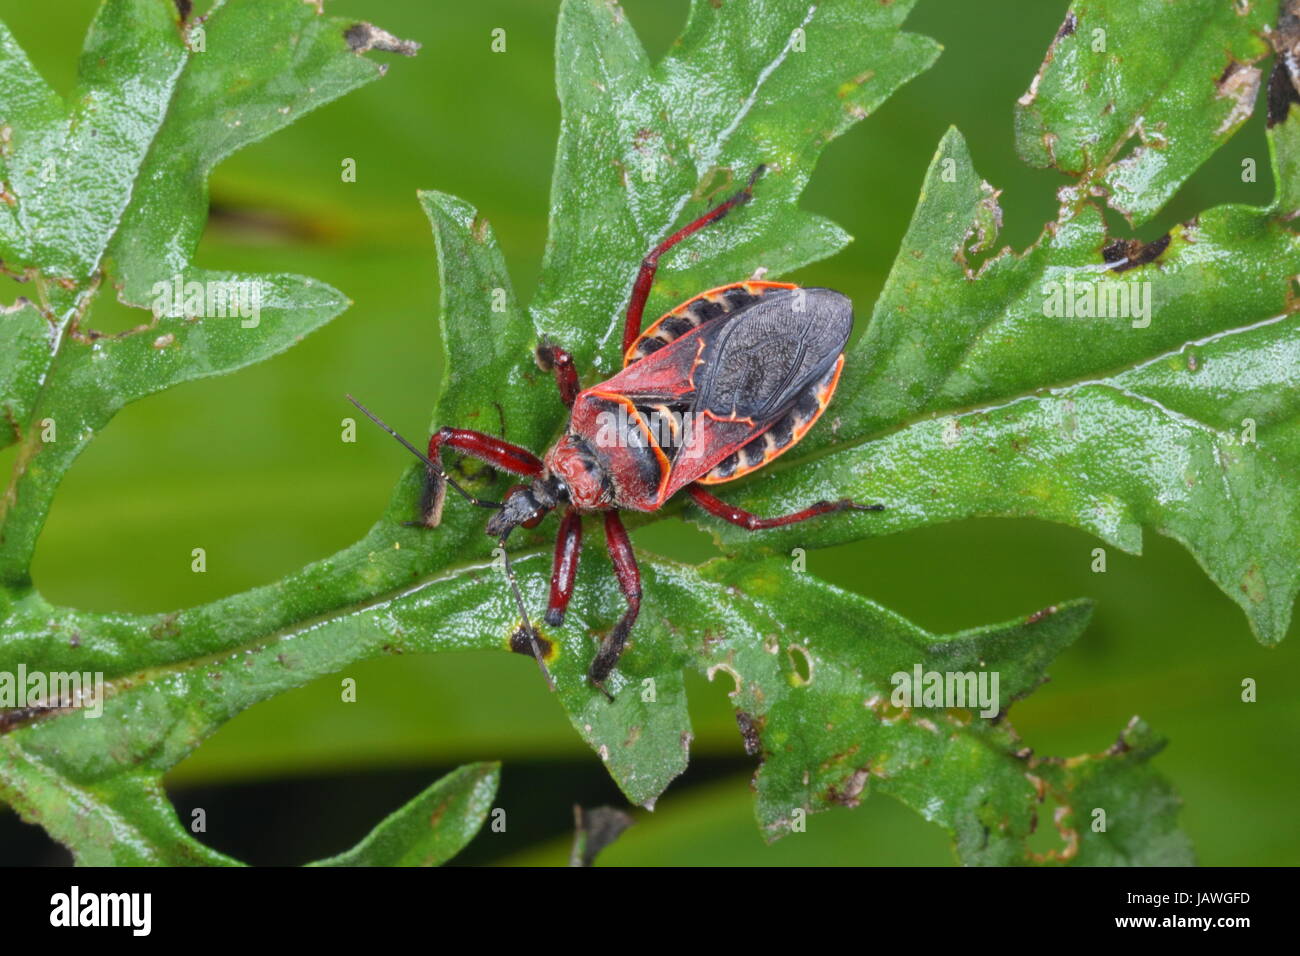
(568, 546)
(494, 451)
(553, 358)
(646, 277)
(752, 522)
(629, 580)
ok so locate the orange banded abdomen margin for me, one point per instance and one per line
(784, 434)
(693, 313)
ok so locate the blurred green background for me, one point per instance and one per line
(251, 468)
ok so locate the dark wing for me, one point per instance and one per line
(757, 363)
(728, 380)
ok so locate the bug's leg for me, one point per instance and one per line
(568, 547)
(752, 522)
(646, 277)
(629, 580)
(488, 448)
(552, 358)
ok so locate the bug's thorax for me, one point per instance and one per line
(572, 461)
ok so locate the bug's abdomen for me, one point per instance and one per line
(771, 363)
(784, 434)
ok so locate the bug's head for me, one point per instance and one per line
(527, 505)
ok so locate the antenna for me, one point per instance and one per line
(482, 503)
(436, 469)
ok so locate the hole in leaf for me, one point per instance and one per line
(1051, 840)
(802, 663)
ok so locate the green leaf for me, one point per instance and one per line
(125, 821)
(24, 337)
(89, 378)
(111, 188)
(1134, 116)
(1284, 150)
(70, 169)
(982, 401)
(116, 181)
(760, 624)
(648, 147)
(76, 771)
(643, 149)
(433, 827)
(485, 334)
(816, 683)
(291, 60)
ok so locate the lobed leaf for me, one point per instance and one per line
(816, 698)
(984, 395)
(953, 345)
(647, 147)
(116, 180)
(822, 736)
(1135, 115)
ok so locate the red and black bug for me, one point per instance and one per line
(715, 389)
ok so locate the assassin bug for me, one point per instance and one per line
(717, 388)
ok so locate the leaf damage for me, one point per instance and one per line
(363, 37)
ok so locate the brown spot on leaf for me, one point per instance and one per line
(12, 717)
(1040, 615)
(1027, 98)
(364, 37)
(520, 644)
(750, 729)
(1040, 788)
(1252, 585)
(1240, 84)
(1125, 254)
(851, 795)
(165, 628)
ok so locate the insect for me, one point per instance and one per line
(715, 389)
